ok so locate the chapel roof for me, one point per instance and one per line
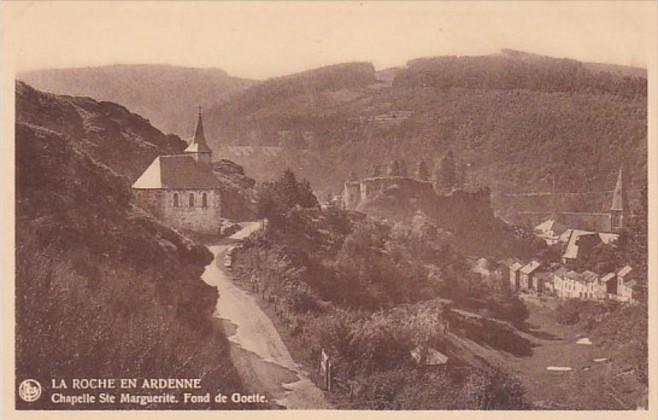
(177, 172)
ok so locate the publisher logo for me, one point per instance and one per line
(29, 390)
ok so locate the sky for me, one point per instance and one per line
(261, 40)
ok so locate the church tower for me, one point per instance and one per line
(198, 146)
(618, 210)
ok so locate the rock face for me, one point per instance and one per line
(238, 194)
(102, 288)
(107, 132)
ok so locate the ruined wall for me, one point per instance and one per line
(356, 192)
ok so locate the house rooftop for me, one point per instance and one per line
(608, 277)
(531, 267)
(550, 227)
(589, 276)
(572, 275)
(516, 266)
(561, 271)
(571, 252)
(507, 262)
(624, 271)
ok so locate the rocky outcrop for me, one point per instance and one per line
(102, 288)
(107, 132)
(238, 194)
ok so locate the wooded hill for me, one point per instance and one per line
(515, 120)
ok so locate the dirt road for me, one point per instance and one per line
(259, 354)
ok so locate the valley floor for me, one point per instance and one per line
(257, 350)
(594, 380)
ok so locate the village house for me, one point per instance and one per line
(609, 282)
(514, 270)
(556, 280)
(570, 286)
(550, 231)
(594, 290)
(543, 281)
(182, 190)
(579, 245)
(559, 281)
(488, 270)
(625, 285)
(527, 276)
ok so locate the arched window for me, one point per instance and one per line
(191, 199)
(175, 199)
(204, 200)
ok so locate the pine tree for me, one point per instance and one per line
(445, 176)
(394, 168)
(422, 172)
(375, 170)
(403, 168)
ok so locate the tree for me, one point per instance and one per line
(394, 168)
(403, 168)
(422, 172)
(375, 170)
(445, 175)
(461, 175)
(276, 198)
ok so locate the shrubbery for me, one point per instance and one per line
(364, 291)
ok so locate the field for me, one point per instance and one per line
(603, 385)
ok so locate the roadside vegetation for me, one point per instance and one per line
(368, 293)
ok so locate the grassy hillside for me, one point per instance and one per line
(167, 95)
(514, 121)
(102, 289)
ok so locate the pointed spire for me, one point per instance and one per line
(618, 195)
(198, 143)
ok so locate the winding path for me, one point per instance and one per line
(257, 351)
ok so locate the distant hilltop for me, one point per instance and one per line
(515, 119)
(166, 95)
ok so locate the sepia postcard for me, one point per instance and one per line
(368, 209)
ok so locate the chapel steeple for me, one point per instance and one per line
(198, 146)
(618, 208)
